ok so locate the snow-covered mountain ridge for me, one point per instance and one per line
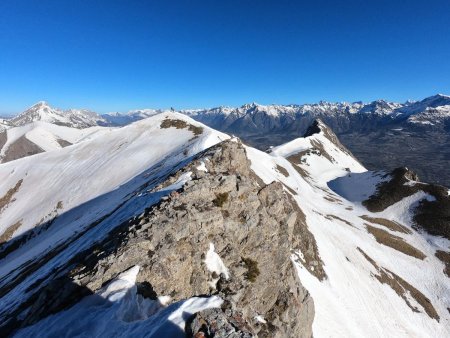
(82, 118)
(378, 107)
(135, 230)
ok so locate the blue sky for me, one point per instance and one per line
(116, 55)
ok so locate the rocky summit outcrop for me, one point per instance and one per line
(224, 209)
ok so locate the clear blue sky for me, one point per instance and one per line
(115, 55)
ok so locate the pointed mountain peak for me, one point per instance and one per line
(439, 99)
(316, 127)
(39, 105)
(38, 111)
(250, 105)
(41, 111)
(441, 96)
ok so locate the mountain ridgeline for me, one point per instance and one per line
(383, 135)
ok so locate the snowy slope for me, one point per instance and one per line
(93, 168)
(48, 136)
(93, 181)
(326, 158)
(351, 301)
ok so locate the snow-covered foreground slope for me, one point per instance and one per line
(375, 275)
(52, 199)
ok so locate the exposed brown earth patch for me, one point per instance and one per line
(9, 232)
(334, 217)
(63, 143)
(282, 170)
(444, 257)
(8, 198)
(333, 199)
(296, 160)
(180, 124)
(391, 225)
(3, 138)
(22, 147)
(395, 242)
(402, 288)
(318, 146)
(393, 190)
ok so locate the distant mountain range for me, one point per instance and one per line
(255, 120)
(382, 134)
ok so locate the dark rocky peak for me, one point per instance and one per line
(317, 127)
(314, 128)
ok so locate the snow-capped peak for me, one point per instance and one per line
(42, 111)
(248, 106)
(40, 104)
